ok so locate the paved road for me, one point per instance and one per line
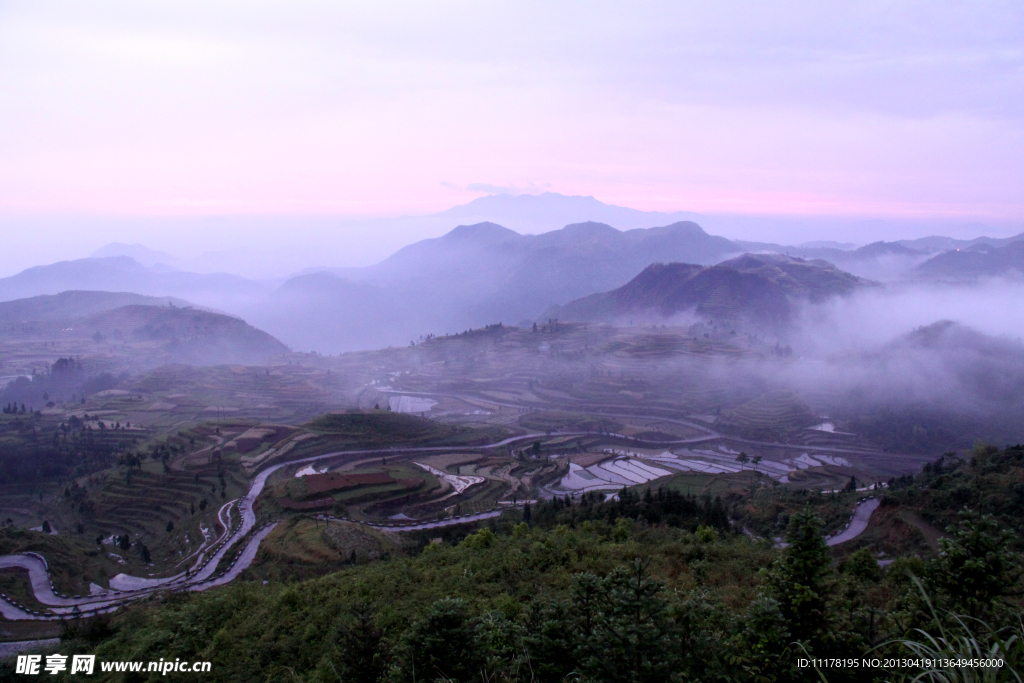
(451, 521)
(858, 523)
(709, 433)
(242, 563)
(200, 576)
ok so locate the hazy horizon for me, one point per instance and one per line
(331, 136)
(272, 247)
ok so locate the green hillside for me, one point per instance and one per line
(367, 428)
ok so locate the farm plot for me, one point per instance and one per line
(717, 462)
(458, 482)
(611, 474)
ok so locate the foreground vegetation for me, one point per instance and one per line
(645, 588)
(620, 602)
(656, 585)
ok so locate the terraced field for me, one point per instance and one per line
(168, 513)
(641, 398)
(770, 416)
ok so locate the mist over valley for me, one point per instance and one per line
(896, 360)
(512, 342)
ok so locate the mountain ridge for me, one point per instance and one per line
(752, 288)
(73, 304)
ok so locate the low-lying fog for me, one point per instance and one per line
(927, 363)
(876, 316)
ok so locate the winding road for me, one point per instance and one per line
(858, 523)
(201, 575)
(709, 433)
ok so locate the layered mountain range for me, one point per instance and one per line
(485, 273)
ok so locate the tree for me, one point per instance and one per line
(763, 637)
(442, 644)
(799, 580)
(625, 630)
(975, 566)
(170, 527)
(46, 527)
(365, 655)
(551, 640)
(756, 460)
(742, 458)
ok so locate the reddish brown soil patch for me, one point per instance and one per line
(588, 459)
(332, 481)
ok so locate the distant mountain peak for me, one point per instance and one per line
(588, 230)
(485, 231)
(540, 213)
(137, 252)
(751, 287)
(683, 227)
(886, 249)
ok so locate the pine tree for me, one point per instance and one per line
(799, 579)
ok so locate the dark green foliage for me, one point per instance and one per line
(975, 567)
(990, 481)
(363, 653)
(551, 640)
(624, 628)
(764, 640)
(35, 448)
(521, 604)
(799, 579)
(666, 506)
(862, 566)
(443, 643)
(652, 586)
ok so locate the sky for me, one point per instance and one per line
(156, 110)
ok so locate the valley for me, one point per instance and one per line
(193, 461)
(154, 452)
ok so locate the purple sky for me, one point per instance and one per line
(887, 109)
